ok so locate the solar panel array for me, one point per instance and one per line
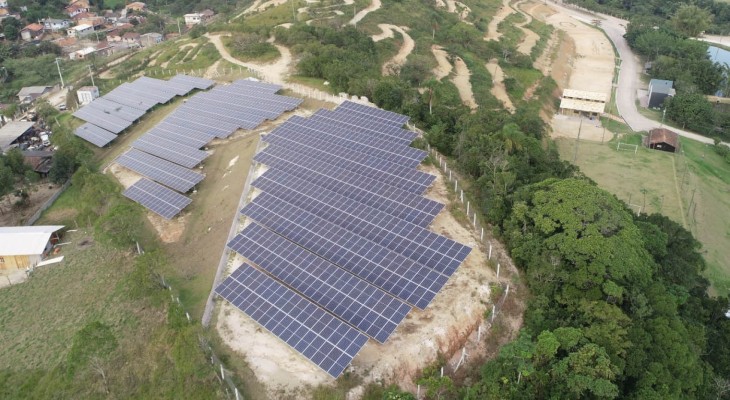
(157, 198)
(168, 151)
(95, 135)
(341, 222)
(120, 108)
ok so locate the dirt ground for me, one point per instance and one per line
(531, 38)
(498, 89)
(492, 31)
(442, 58)
(393, 65)
(463, 84)
(39, 194)
(565, 126)
(374, 5)
(454, 315)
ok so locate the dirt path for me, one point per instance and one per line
(492, 31)
(531, 38)
(444, 66)
(462, 83)
(393, 65)
(272, 72)
(258, 6)
(375, 5)
(498, 89)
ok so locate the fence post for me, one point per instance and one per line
(490, 251)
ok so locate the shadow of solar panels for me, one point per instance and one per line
(365, 190)
(162, 201)
(95, 135)
(325, 340)
(322, 149)
(415, 242)
(361, 304)
(165, 172)
(384, 268)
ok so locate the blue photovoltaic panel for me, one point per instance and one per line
(196, 140)
(101, 119)
(92, 133)
(192, 123)
(122, 96)
(404, 154)
(162, 171)
(363, 189)
(193, 81)
(160, 94)
(163, 201)
(372, 112)
(353, 160)
(252, 107)
(366, 125)
(415, 242)
(355, 301)
(170, 150)
(251, 86)
(321, 161)
(247, 120)
(392, 272)
(161, 86)
(325, 340)
(194, 131)
(118, 110)
(273, 101)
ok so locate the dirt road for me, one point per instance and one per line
(444, 66)
(462, 83)
(375, 5)
(392, 66)
(498, 89)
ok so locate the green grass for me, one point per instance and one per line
(544, 31)
(266, 52)
(524, 77)
(316, 83)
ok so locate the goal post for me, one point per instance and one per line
(627, 146)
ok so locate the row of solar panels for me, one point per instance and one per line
(114, 112)
(166, 153)
(339, 229)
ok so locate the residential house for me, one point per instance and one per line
(104, 48)
(150, 39)
(77, 7)
(31, 31)
(29, 94)
(23, 247)
(87, 94)
(198, 18)
(80, 30)
(81, 54)
(111, 16)
(53, 25)
(659, 89)
(662, 139)
(131, 38)
(114, 35)
(136, 6)
(95, 21)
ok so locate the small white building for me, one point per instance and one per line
(24, 247)
(150, 39)
(53, 25)
(193, 19)
(80, 30)
(81, 54)
(87, 94)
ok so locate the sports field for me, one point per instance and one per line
(691, 187)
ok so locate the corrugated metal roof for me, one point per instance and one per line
(584, 95)
(12, 131)
(25, 240)
(583, 105)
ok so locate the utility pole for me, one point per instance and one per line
(179, 32)
(59, 72)
(92, 75)
(577, 140)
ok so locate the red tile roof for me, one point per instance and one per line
(661, 135)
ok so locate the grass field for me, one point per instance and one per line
(691, 188)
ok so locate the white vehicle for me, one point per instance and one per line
(45, 140)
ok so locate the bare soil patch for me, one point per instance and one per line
(444, 67)
(492, 29)
(375, 5)
(498, 89)
(11, 215)
(392, 66)
(462, 83)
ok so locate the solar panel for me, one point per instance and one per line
(183, 138)
(363, 189)
(415, 242)
(353, 160)
(92, 133)
(285, 102)
(193, 81)
(404, 154)
(386, 269)
(118, 110)
(237, 105)
(202, 125)
(162, 171)
(322, 161)
(325, 340)
(260, 86)
(102, 119)
(163, 201)
(366, 125)
(160, 94)
(388, 116)
(162, 86)
(170, 150)
(122, 96)
(245, 120)
(355, 301)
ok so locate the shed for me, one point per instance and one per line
(28, 94)
(24, 247)
(659, 89)
(663, 139)
(11, 132)
(40, 161)
(582, 102)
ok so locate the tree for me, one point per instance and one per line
(691, 20)
(11, 28)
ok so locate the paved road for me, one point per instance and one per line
(628, 78)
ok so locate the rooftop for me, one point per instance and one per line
(662, 135)
(584, 95)
(30, 90)
(661, 86)
(25, 240)
(583, 105)
(12, 131)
